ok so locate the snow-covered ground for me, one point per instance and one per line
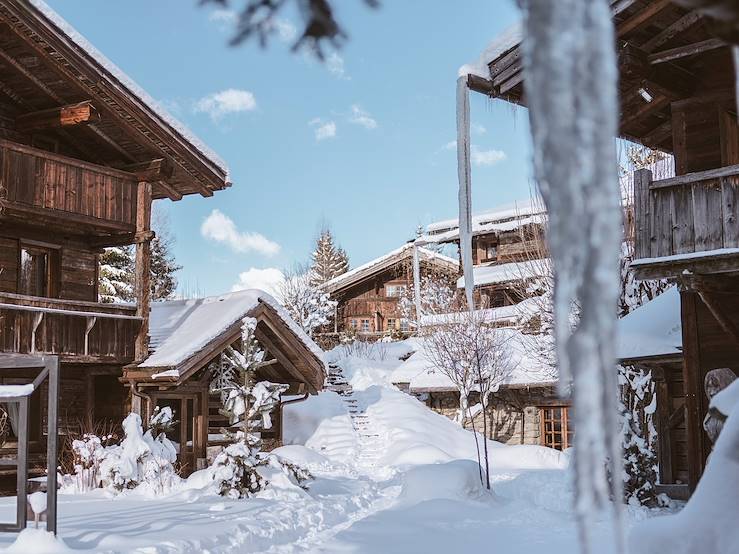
(390, 476)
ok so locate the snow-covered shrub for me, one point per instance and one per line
(638, 403)
(88, 454)
(248, 404)
(141, 459)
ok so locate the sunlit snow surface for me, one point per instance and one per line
(424, 495)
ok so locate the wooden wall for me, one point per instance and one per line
(77, 275)
(511, 246)
(706, 345)
(36, 178)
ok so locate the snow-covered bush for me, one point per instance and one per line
(88, 453)
(307, 303)
(638, 403)
(235, 469)
(141, 458)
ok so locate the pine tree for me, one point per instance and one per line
(117, 264)
(327, 260)
(116, 281)
(163, 264)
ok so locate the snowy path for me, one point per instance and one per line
(371, 439)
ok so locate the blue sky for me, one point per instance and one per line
(383, 109)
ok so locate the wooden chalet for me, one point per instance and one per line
(368, 297)
(507, 249)
(677, 88)
(188, 337)
(83, 152)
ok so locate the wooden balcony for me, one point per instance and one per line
(42, 188)
(686, 224)
(77, 331)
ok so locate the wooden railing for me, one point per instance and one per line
(681, 217)
(86, 331)
(42, 184)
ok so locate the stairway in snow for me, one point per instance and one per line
(370, 439)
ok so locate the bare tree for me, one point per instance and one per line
(306, 303)
(475, 355)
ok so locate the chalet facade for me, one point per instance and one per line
(83, 153)
(368, 297)
(507, 251)
(525, 409)
(678, 95)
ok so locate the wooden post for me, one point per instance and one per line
(693, 383)
(52, 364)
(642, 213)
(143, 267)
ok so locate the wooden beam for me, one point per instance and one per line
(151, 170)
(729, 327)
(171, 193)
(693, 380)
(671, 32)
(143, 268)
(659, 134)
(696, 177)
(638, 19)
(481, 85)
(687, 50)
(59, 117)
(619, 6)
(646, 109)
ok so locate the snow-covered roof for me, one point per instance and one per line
(386, 261)
(128, 84)
(501, 44)
(527, 361)
(654, 329)
(498, 220)
(505, 273)
(181, 328)
(503, 315)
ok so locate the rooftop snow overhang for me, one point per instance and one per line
(48, 65)
(667, 55)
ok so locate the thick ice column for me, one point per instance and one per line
(417, 284)
(464, 176)
(571, 89)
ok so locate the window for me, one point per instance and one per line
(394, 291)
(491, 252)
(354, 324)
(390, 324)
(37, 275)
(365, 325)
(404, 325)
(556, 428)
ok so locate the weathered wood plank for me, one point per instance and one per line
(689, 178)
(683, 228)
(707, 201)
(687, 50)
(730, 211)
(642, 212)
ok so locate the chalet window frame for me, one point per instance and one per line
(395, 290)
(390, 324)
(365, 326)
(565, 434)
(52, 270)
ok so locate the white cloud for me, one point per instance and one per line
(221, 228)
(451, 145)
(268, 279)
(323, 129)
(486, 157)
(361, 117)
(226, 102)
(223, 16)
(335, 65)
(478, 129)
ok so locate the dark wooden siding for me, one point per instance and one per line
(78, 275)
(8, 265)
(39, 179)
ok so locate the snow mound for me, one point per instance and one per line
(37, 541)
(455, 480)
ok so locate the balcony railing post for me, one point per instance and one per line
(143, 267)
(642, 211)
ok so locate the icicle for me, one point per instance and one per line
(417, 284)
(464, 175)
(571, 89)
